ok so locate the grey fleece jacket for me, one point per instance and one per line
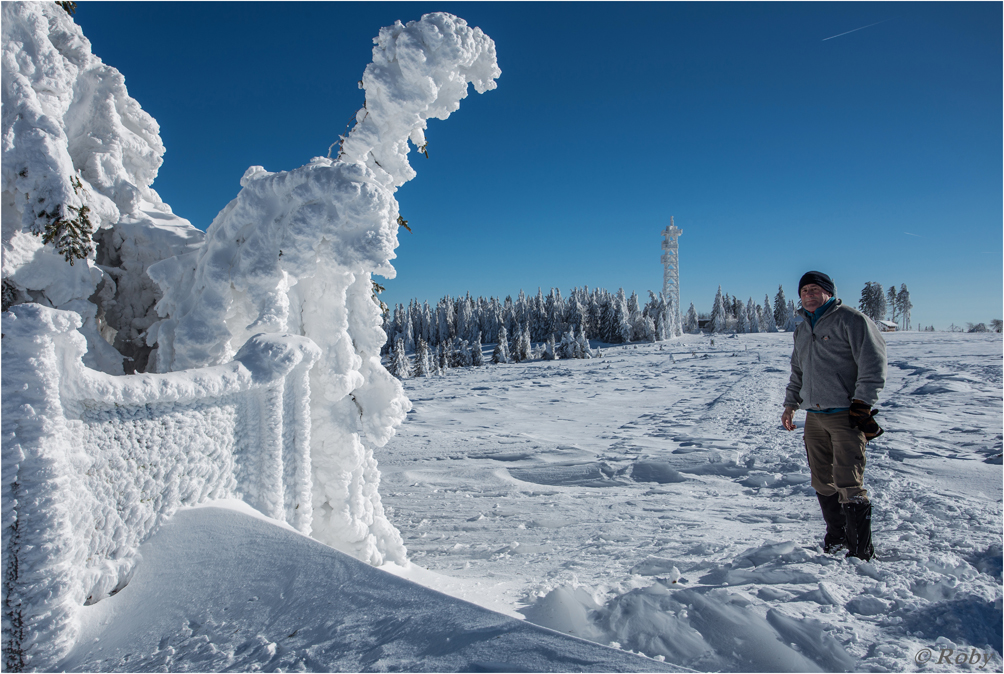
(841, 359)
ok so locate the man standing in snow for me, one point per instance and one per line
(838, 367)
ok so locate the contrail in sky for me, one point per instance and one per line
(855, 30)
(912, 234)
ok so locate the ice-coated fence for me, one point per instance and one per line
(93, 463)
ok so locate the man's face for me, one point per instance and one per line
(813, 297)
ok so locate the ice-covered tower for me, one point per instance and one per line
(671, 268)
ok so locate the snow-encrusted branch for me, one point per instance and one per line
(419, 70)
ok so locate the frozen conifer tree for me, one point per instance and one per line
(444, 351)
(525, 347)
(718, 318)
(400, 367)
(622, 318)
(903, 306)
(568, 346)
(691, 325)
(891, 304)
(753, 315)
(872, 303)
(792, 322)
(423, 368)
(583, 350)
(768, 316)
(648, 331)
(780, 308)
(461, 353)
(501, 352)
(477, 357)
(550, 349)
(742, 321)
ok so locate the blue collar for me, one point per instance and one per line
(814, 316)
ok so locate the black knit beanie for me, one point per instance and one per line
(820, 279)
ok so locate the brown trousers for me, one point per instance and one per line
(836, 454)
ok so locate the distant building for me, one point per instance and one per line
(887, 326)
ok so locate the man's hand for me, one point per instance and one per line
(787, 418)
(863, 418)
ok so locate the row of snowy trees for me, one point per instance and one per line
(879, 304)
(613, 318)
(731, 314)
(457, 352)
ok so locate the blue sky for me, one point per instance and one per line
(872, 156)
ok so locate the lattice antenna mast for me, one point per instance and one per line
(671, 268)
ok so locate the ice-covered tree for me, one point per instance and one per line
(399, 366)
(780, 309)
(768, 324)
(690, 323)
(792, 322)
(718, 317)
(903, 306)
(477, 356)
(550, 350)
(423, 367)
(872, 302)
(622, 318)
(753, 315)
(742, 321)
(891, 304)
(501, 352)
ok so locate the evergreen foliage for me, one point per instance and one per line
(718, 317)
(742, 320)
(780, 309)
(477, 356)
(501, 353)
(791, 323)
(767, 324)
(423, 368)
(753, 315)
(691, 325)
(400, 367)
(69, 228)
(903, 306)
(873, 302)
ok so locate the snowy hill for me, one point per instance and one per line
(222, 588)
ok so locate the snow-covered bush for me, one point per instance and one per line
(93, 463)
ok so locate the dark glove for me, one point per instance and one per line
(863, 419)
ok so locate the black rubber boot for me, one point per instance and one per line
(859, 530)
(835, 537)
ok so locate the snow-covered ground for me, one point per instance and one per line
(574, 492)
